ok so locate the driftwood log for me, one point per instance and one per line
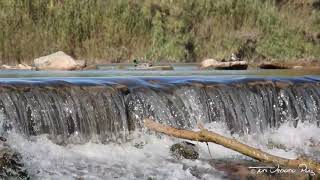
(208, 136)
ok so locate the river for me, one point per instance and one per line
(89, 124)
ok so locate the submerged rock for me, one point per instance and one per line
(228, 65)
(56, 61)
(185, 150)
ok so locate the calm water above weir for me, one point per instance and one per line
(179, 70)
(88, 123)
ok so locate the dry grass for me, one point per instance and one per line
(174, 31)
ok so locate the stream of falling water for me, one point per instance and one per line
(92, 128)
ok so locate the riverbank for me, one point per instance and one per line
(153, 31)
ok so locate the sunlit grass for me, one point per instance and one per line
(165, 30)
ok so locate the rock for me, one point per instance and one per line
(273, 65)
(143, 65)
(207, 63)
(81, 64)
(17, 67)
(149, 66)
(185, 150)
(139, 145)
(56, 61)
(234, 57)
(3, 139)
(153, 68)
(228, 65)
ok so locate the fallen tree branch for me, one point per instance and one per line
(207, 136)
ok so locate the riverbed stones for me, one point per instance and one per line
(184, 150)
(56, 61)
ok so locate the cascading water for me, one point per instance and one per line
(108, 109)
(66, 111)
(90, 116)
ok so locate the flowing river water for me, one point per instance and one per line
(89, 124)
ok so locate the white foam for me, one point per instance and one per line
(46, 160)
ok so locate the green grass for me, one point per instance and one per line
(159, 31)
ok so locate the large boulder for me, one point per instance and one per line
(229, 65)
(57, 61)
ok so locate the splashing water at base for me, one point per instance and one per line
(147, 156)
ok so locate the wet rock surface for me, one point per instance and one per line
(184, 150)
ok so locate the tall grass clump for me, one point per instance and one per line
(172, 31)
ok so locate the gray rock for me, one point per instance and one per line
(185, 150)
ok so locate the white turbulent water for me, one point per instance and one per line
(46, 160)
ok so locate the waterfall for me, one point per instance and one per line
(109, 109)
(63, 112)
